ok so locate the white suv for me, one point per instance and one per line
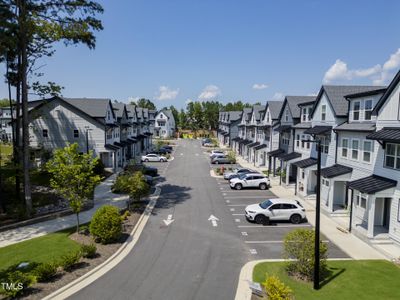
(276, 210)
(250, 180)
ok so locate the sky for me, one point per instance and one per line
(176, 51)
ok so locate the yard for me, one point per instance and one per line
(362, 279)
(5, 152)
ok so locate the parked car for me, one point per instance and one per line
(150, 171)
(208, 144)
(158, 152)
(216, 152)
(165, 149)
(222, 159)
(205, 140)
(154, 157)
(237, 172)
(169, 147)
(250, 180)
(276, 210)
(216, 155)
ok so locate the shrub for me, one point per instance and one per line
(45, 271)
(99, 168)
(121, 184)
(106, 224)
(89, 251)
(69, 261)
(17, 283)
(299, 245)
(276, 289)
(125, 215)
(232, 156)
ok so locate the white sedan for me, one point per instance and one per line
(154, 157)
(276, 210)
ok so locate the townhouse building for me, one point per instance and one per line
(289, 116)
(228, 130)
(375, 198)
(255, 128)
(5, 124)
(165, 126)
(245, 134)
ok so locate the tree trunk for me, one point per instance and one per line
(25, 118)
(77, 222)
(17, 148)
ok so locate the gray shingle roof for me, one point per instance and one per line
(304, 125)
(246, 112)
(290, 156)
(372, 184)
(275, 108)
(386, 134)
(258, 111)
(336, 95)
(305, 163)
(235, 115)
(168, 113)
(294, 101)
(95, 108)
(131, 110)
(355, 127)
(118, 108)
(335, 170)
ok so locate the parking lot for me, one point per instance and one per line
(261, 241)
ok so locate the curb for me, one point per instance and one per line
(83, 281)
(215, 176)
(243, 291)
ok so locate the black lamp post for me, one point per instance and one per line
(87, 138)
(317, 215)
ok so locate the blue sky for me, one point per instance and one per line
(172, 51)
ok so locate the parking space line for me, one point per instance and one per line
(253, 251)
(237, 214)
(273, 226)
(244, 233)
(237, 220)
(238, 205)
(232, 209)
(272, 242)
(227, 201)
(250, 197)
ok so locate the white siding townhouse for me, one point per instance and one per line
(228, 129)
(289, 116)
(255, 127)
(244, 134)
(375, 198)
(164, 124)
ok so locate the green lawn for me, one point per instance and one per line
(41, 249)
(6, 151)
(372, 279)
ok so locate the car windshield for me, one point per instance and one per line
(265, 204)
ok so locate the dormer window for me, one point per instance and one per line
(108, 115)
(367, 109)
(323, 112)
(287, 115)
(356, 110)
(304, 117)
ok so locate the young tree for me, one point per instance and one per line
(138, 187)
(182, 120)
(73, 176)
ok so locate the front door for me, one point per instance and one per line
(386, 212)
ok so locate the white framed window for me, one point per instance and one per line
(45, 133)
(323, 112)
(302, 174)
(363, 202)
(367, 149)
(345, 147)
(76, 133)
(287, 115)
(392, 156)
(356, 110)
(303, 137)
(325, 144)
(309, 114)
(298, 140)
(367, 109)
(354, 149)
(358, 200)
(267, 116)
(304, 114)
(326, 182)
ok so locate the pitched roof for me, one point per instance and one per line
(335, 170)
(360, 127)
(235, 115)
(94, 107)
(246, 112)
(275, 108)
(119, 108)
(318, 130)
(290, 156)
(305, 163)
(372, 184)
(302, 125)
(168, 113)
(337, 96)
(293, 103)
(386, 95)
(386, 134)
(258, 110)
(131, 109)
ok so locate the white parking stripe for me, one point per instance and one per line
(232, 209)
(237, 214)
(227, 201)
(271, 226)
(246, 197)
(253, 251)
(238, 205)
(272, 242)
(237, 220)
(244, 233)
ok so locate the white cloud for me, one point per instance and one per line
(379, 75)
(165, 93)
(278, 96)
(259, 86)
(210, 92)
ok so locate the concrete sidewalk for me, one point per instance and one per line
(349, 243)
(102, 196)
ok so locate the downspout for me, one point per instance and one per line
(351, 208)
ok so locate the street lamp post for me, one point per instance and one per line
(317, 215)
(87, 138)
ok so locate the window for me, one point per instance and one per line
(345, 146)
(323, 112)
(327, 182)
(76, 133)
(298, 140)
(45, 133)
(325, 144)
(302, 174)
(392, 156)
(287, 115)
(302, 141)
(308, 143)
(356, 111)
(309, 113)
(358, 200)
(304, 116)
(108, 115)
(363, 202)
(367, 109)
(354, 149)
(367, 149)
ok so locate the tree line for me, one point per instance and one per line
(29, 30)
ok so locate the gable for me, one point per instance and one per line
(389, 96)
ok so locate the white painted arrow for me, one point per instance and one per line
(169, 220)
(213, 220)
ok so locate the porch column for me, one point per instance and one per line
(287, 172)
(331, 195)
(371, 215)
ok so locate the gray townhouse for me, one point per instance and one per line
(256, 128)
(289, 116)
(238, 145)
(228, 130)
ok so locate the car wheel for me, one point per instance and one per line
(261, 219)
(216, 162)
(161, 160)
(295, 219)
(146, 160)
(263, 186)
(238, 186)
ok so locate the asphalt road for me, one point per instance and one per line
(193, 258)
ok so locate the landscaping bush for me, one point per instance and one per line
(17, 283)
(46, 271)
(121, 184)
(232, 156)
(299, 245)
(106, 224)
(125, 215)
(276, 289)
(69, 261)
(99, 168)
(89, 251)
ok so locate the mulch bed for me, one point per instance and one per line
(40, 290)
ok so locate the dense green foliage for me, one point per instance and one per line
(18, 280)
(69, 261)
(89, 251)
(106, 224)
(299, 245)
(276, 289)
(144, 103)
(45, 271)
